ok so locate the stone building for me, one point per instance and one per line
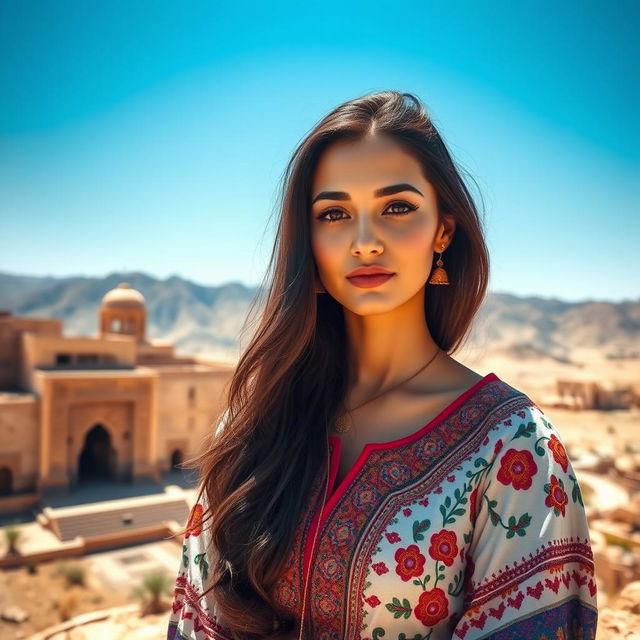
(592, 394)
(115, 406)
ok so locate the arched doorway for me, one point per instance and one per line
(176, 459)
(98, 457)
(6, 481)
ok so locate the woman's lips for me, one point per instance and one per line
(366, 282)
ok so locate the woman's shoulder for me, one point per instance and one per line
(515, 418)
(519, 413)
(523, 453)
(508, 398)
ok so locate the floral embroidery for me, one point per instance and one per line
(380, 568)
(410, 562)
(373, 601)
(194, 524)
(576, 495)
(513, 526)
(517, 468)
(443, 547)
(432, 607)
(192, 616)
(557, 497)
(558, 451)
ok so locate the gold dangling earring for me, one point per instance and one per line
(439, 275)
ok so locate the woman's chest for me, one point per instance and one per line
(388, 425)
(391, 544)
(350, 451)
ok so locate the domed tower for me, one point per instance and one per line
(123, 311)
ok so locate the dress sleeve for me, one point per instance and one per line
(529, 566)
(193, 617)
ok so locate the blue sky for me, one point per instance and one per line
(151, 135)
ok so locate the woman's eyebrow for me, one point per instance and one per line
(378, 193)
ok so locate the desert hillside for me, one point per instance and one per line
(206, 320)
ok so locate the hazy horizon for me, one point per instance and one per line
(239, 281)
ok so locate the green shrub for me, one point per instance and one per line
(154, 585)
(12, 536)
(73, 572)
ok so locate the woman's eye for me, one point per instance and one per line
(404, 205)
(329, 212)
(391, 209)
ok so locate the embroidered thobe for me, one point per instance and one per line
(472, 527)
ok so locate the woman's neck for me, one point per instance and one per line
(385, 349)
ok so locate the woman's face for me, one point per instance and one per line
(397, 230)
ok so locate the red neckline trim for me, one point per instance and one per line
(360, 460)
(320, 517)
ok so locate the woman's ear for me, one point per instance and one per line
(444, 235)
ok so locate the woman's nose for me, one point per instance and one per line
(366, 239)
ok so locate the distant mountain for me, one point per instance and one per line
(525, 327)
(205, 321)
(199, 320)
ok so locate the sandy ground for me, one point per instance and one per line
(607, 432)
(40, 594)
(110, 577)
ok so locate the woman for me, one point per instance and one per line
(362, 480)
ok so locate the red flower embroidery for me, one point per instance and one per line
(473, 510)
(432, 607)
(498, 447)
(194, 525)
(410, 562)
(559, 453)
(517, 467)
(380, 568)
(392, 537)
(444, 547)
(557, 497)
(372, 601)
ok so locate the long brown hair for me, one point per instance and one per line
(290, 381)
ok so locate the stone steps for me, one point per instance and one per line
(111, 517)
